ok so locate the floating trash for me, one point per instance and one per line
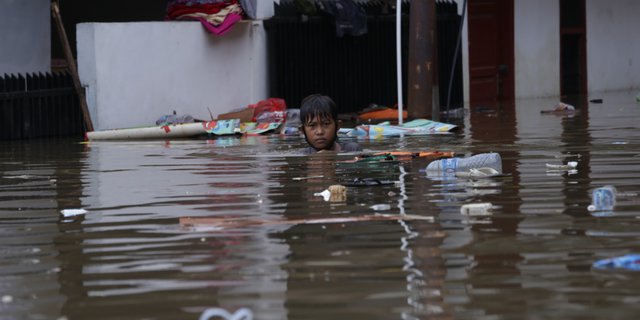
(219, 313)
(306, 178)
(68, 213)
(479, 173)
(326, 194)
(477, 209)
(381, 207)
(603, 199)
(334, 193)
(451, 166)
(629, 262)
(561, 107)
(368, 182)
(569, 166)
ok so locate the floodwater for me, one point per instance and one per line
(174, 228)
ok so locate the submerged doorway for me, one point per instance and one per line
(491, 61)
(573, 53)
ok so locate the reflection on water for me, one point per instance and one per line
(176, 227)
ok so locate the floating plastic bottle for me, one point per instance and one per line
(603, 199)
(448, 167)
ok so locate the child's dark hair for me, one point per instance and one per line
(318, 106)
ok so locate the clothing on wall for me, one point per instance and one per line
(217, 16)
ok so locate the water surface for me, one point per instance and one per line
(137, 253)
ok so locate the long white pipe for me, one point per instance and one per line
(399, 58)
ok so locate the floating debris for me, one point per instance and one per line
(477, 209)
(603, 199)
(569, 166)
(629, 262)
(326, 194)
(305, 178)
(381, 207)
(561, 108)
(334, 193)
(227, 222)
(68, 213)
(479, 173)
(219, 313)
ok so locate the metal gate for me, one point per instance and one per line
(39, 105)
(306, 56)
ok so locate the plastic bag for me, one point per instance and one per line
(269, 109)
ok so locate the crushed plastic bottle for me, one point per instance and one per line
(603, 199)
(448, 167)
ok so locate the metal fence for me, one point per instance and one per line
(306, 56)
(38, 106)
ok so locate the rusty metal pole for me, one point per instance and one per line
(55, 12)
(421, 60)
(435, 110)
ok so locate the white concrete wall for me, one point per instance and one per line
(613, 49)
(136, 72)
(537, 48)
(25, 36)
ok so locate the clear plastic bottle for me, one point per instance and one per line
(449, 166)
(603, 198)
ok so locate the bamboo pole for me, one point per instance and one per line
(55, 12)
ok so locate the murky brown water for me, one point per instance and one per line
(134, 256)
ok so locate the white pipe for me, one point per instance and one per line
(399, 58)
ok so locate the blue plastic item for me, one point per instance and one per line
(629, 262)
(603, 199)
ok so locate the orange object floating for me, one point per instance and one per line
(402, 155)
(381, 114)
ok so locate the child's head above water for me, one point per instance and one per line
(319, 117)
(318, 106)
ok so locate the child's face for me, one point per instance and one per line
(320, 132)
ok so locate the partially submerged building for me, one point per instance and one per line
(135, 66)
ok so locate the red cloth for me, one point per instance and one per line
(178, 9)
(181, 9)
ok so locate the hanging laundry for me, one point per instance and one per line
(217, 16)
(249, 8)
(350, 18)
